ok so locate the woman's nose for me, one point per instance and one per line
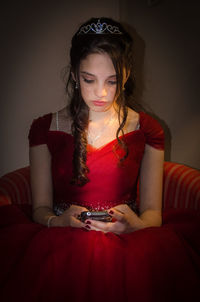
(100, 91)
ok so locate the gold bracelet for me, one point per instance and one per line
(49, 220)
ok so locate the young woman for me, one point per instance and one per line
(101, 116)
(89, 157)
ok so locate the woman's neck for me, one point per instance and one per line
(99, 117)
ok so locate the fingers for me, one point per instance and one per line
(123, 208)
(117, 215)
(95, 225)
(108, 226)
(122, 217)
(76, 223)
(77, 209)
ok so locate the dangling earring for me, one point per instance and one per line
(76, 86)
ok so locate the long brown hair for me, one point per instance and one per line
(119, 47)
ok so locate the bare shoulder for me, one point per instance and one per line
(61, 121)
(132, 120)
(64, 112)
(132, 114)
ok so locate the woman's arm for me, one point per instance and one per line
(151, 186)
(42, 192)
(41, 183)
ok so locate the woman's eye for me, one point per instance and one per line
(112, 82)
(88, 81)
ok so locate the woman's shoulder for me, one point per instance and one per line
(61, 121)
(142, 120)
(49, 120)
(39, 129)
(132, 121)
(152, 129)
(149, 122)
(42, 119)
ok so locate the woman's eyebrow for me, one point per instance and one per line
(87, 73)
(90, 74)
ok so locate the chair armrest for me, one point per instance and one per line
(15, 187)
(181, 187)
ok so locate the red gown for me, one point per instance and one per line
(157, 264)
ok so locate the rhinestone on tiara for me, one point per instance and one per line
(99, 28)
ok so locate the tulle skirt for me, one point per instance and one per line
(67, 264)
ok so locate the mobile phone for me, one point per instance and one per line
(95, 215)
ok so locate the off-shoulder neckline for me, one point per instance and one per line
(91, 147)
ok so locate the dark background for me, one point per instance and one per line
(35, 38)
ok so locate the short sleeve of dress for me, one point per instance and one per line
(154, 134)
(38, 132)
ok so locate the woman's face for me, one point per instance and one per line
(98, 82)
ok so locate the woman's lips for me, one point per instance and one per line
(99, 103)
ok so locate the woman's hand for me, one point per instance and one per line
(70, 217)
(124, 221)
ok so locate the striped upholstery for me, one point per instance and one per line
(181, 187)
(15, 187)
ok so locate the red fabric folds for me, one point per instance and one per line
(103, 163)
(67, 264)
(158, 264)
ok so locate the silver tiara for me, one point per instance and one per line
(99, 28)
